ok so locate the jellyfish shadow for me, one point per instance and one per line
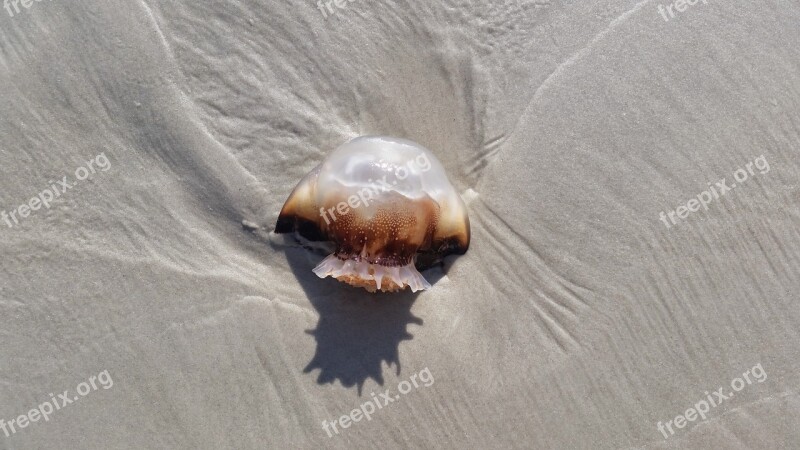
(357, 330)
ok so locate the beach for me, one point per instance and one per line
(629, 170)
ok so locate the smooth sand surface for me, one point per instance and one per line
(578, 319)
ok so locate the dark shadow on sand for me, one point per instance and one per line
(357, 330)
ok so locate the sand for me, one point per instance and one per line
(579, 318)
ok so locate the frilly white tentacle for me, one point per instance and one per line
(364, 271)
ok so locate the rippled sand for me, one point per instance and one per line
(578, 319)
